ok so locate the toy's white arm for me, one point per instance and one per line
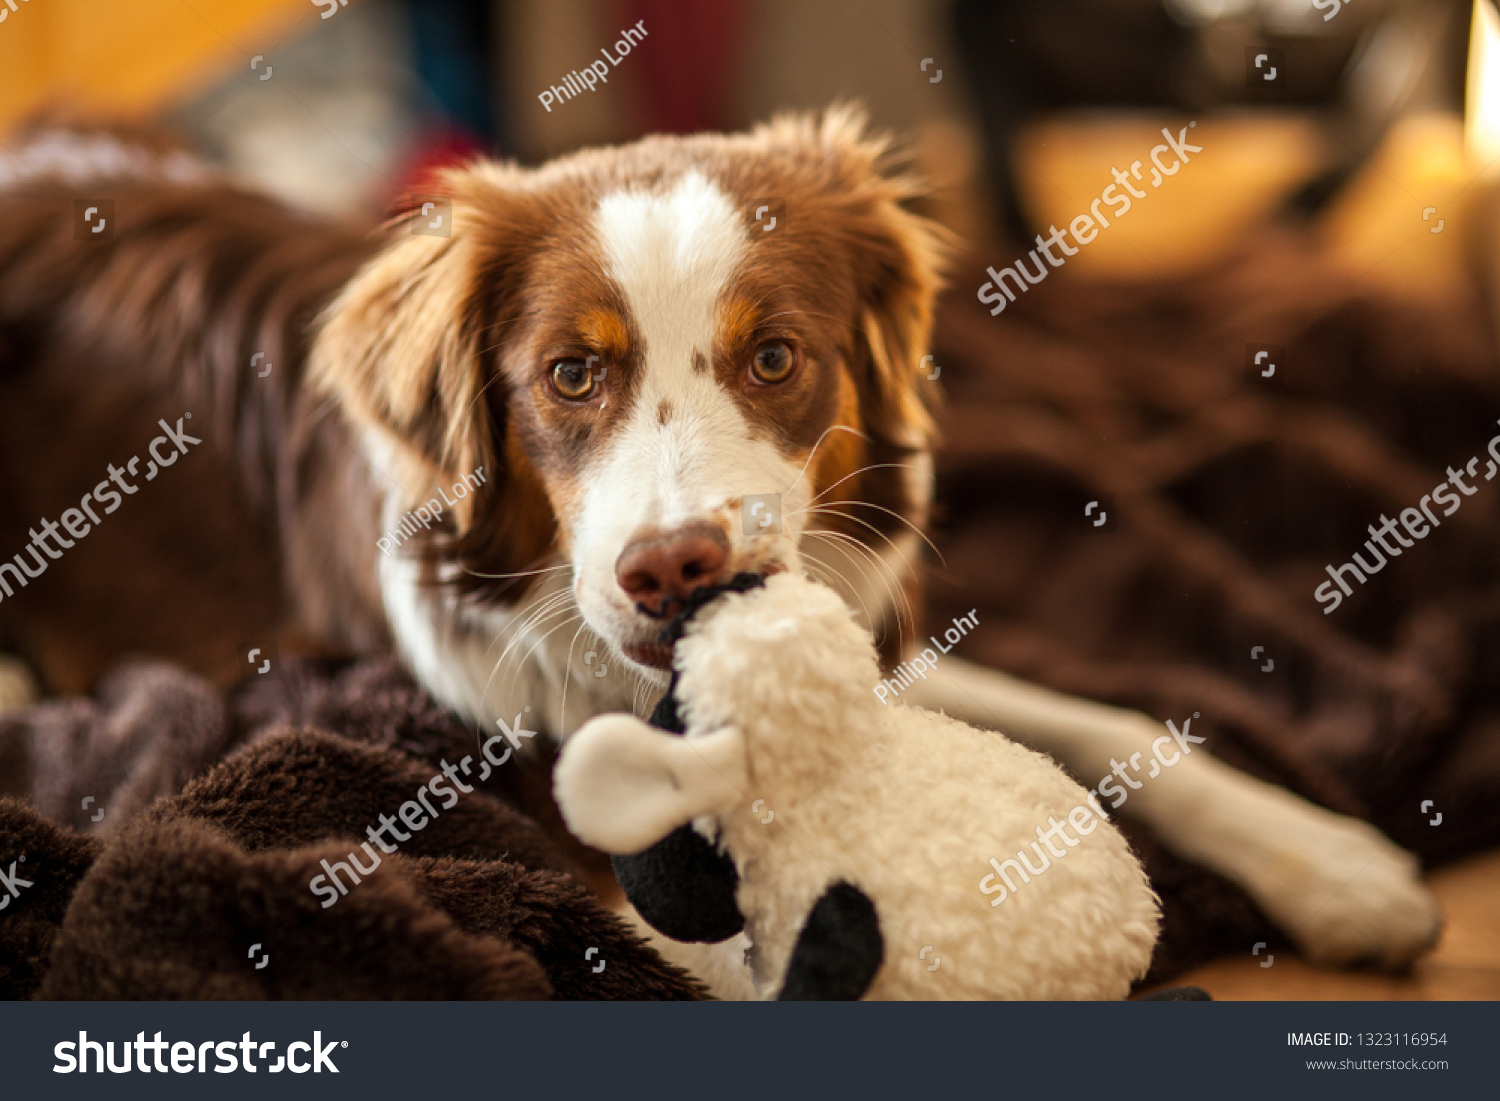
(623, 785)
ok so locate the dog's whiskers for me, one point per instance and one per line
(880, 560)
(832, 577)
(546, 609)
(832, 510)
(889, 577)
(518, 665)
(562, 710)
(519, 573)
(856, 474)
(894, 591)
(813, 453)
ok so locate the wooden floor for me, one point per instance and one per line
(1465, 965)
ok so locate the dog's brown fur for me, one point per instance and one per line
(100, 339)
(268, 528)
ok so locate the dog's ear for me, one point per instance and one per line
(399, 349)
(896, 257)
(623, 785)
(407, 347)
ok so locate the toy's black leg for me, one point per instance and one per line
(838, 951)
(684, 887)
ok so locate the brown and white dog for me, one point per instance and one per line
(587, 373)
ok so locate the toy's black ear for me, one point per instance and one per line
(838, 951)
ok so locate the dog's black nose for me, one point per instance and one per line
(660, 568)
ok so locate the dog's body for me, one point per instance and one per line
(609, 355)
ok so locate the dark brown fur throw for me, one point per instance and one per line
(166, 899)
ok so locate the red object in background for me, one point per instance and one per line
(692, 56)
(444, 145)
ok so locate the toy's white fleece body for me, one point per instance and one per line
(907, 805)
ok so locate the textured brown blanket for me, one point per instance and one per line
(204, 892)
(1232, 492)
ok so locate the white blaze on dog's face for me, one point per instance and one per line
(696, 440)
(633, 355)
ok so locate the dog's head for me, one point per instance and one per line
(675, 361)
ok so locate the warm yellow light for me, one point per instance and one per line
(1482, 109)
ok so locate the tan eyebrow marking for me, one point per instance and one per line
(737, 320)
(700, 363)
(605, 329)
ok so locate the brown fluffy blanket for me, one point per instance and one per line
(194, 862)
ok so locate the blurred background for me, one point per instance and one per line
(1011, 105)
(1342, 212)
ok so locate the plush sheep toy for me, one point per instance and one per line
(883, 851)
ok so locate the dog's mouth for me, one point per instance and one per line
(657, 652)
(651, 648)
(656, 655)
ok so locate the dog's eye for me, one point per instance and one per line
(572, 379)
(773, 362)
